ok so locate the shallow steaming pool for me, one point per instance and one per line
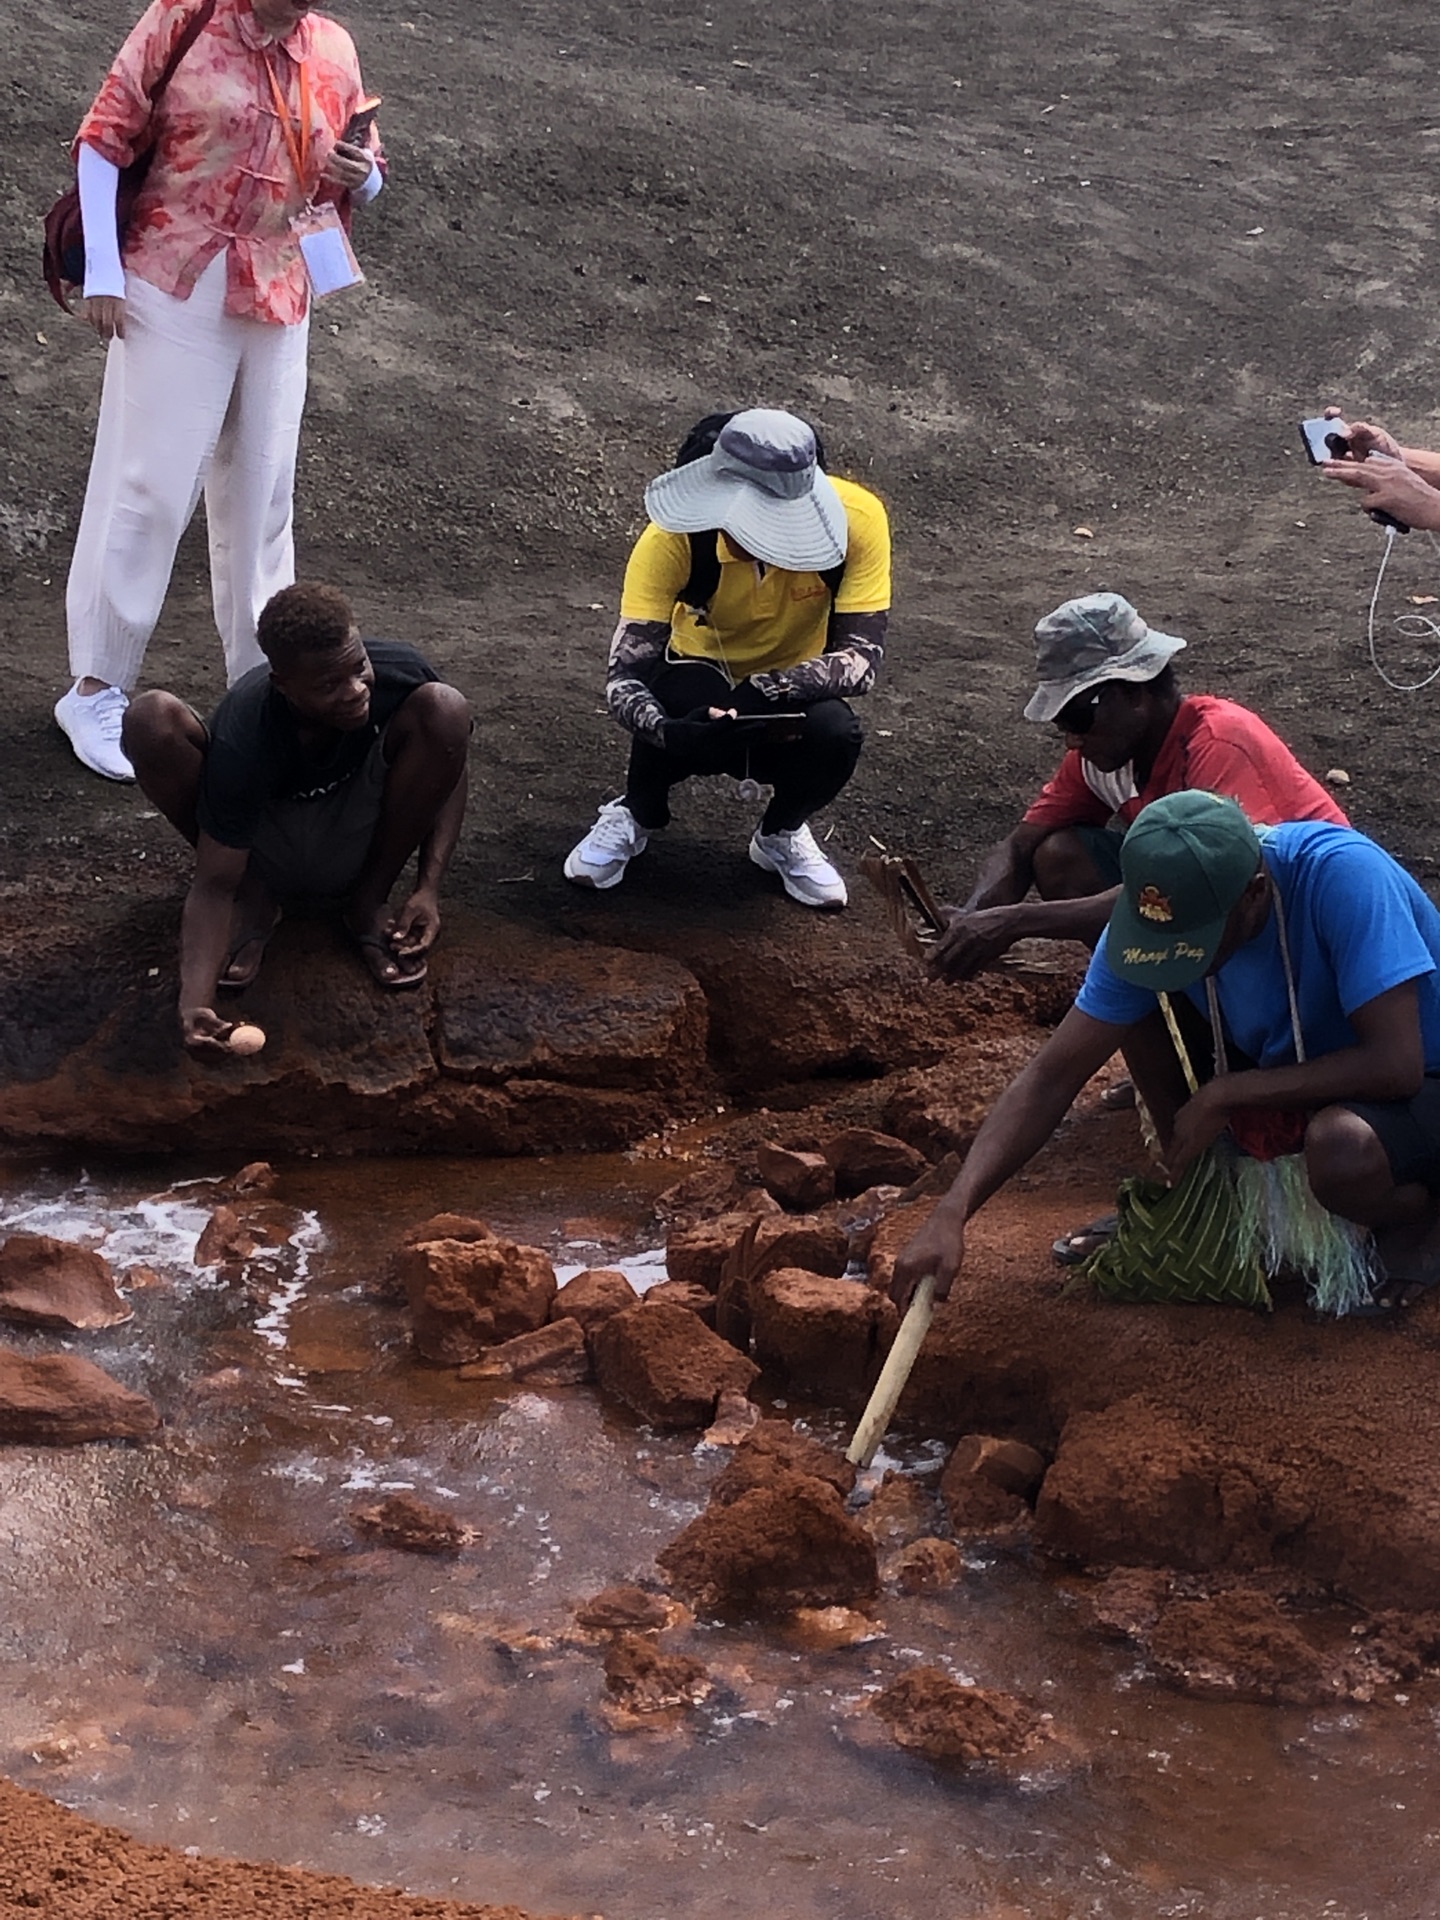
(197, 1646)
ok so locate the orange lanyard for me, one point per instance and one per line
(299, 149)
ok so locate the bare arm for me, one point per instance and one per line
(1014, 1130)
(1386, 1063)
(417, 925)
(205, 923)
(997, 914)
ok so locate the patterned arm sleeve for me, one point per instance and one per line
(854, 648)
(638, 647)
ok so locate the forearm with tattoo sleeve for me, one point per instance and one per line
(854, 648)
(636, 650)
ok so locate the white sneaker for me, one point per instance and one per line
(92, 723)
(608, 848)
(805, 873)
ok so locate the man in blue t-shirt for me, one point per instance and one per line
(1307, 927)
(318, 777)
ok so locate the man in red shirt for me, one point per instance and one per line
(1131, 736)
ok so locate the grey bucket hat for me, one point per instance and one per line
(762, 485)
(1096, 638)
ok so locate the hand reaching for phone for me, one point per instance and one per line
(1364, 437)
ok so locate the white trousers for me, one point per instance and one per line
(193, 398)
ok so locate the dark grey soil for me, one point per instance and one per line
(1007, 257)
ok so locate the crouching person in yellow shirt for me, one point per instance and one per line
(754, 604)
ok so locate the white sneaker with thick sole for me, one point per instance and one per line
(608, 848)
(805, 873)
(91, 722)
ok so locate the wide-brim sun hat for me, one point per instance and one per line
(1087, 641)
(763, 486)
(1184, 863)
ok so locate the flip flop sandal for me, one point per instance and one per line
(235, 980)
(1074, 1249)
(376, 943)
(1118, 1099)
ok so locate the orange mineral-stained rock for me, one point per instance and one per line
(53, 1283)
(225, 1240)
(773, 1452)
(667, 1365)
(405, 1521)
(684, 1293)
(1009, 1466)
(593, 1297)
(552, 1356)
(800, 1181)
(778, 1547)
(626, 1610)
(466, 1296)
(61, 1400)
(828, 1336)
(643, 1678)
(928, 1565)
(863, 1158)
(698, 1252)
(929, 1713)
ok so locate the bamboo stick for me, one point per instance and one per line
(870, 1430)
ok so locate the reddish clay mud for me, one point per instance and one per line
(56, 1866)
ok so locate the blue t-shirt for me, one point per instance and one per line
(1357, 926)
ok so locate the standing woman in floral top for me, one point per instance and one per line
(207, 319)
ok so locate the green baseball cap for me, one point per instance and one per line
(1185, 863)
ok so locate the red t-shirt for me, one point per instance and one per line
(1212, 744)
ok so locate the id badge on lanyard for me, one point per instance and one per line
(325, 249)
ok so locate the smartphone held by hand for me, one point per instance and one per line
(1325, 440)
(357, 127)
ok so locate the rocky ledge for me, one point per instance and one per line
(520, 1041)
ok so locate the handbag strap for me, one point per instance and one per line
(194, 27)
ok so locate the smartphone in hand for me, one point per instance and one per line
(357, 127)
(1324, 441)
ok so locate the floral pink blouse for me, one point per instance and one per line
(223, 177)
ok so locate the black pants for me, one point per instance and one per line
(806, 773)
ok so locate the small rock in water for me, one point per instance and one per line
(550, 1356)
(412, 1525)
(626, 1610)
(58, 1399)
(258, 1176)
(926, 1566)
(899, 1511)
(776, 1548)
(824, 1629)
(667, 1366)
(643, 1678)
(226, 1240)
(929, 1713)
(736, 1416)
(593, 1297)
(53, 1283)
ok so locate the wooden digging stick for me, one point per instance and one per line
(896, 1371)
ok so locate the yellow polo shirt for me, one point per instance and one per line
(761, 620)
